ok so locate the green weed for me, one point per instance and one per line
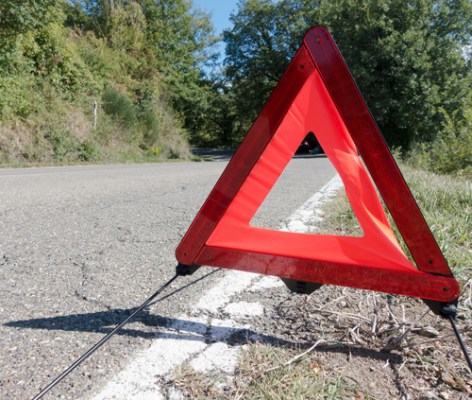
(303, 379)
(446, 204)
(89, 151)
(119, 105)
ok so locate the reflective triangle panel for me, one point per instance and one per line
(312, 110)
(317, 93)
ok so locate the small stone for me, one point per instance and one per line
(444, 395)
(372, 368)
(174, 394)
(428, 331)
(342, 304)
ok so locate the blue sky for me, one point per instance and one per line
(221, 9)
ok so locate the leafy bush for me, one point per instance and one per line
(62, 143)
(451, 152)
(119, 105)
(100, 59)
(89, 150)
(17, 97)
(151, 126)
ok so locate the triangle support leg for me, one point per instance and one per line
(450, 311)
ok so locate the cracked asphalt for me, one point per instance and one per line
(80, 247)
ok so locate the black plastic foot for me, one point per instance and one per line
(184, 270)
(437, 307)
(301, 286)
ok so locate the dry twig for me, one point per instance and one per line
(296, 357)
(395, 342)
(347, 315)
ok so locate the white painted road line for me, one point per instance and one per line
(306, 218)
(202, 341)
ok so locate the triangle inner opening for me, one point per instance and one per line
(308, 197)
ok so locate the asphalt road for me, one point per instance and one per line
(81, 246)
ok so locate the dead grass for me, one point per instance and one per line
(303, 379)
(342, 343)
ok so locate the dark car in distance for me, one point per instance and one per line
(303, 148)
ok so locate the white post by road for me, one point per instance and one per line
(95, 114)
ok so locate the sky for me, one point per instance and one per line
(221, 9)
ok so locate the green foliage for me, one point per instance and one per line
(50, 53)
(166, 42)
(119, 105)
(222, 126)
(182, 40)
(17, 96)
(66, 146)
(257, 54)
(140, 59)
(143, 60)
(150, 125)
(21, 16)
(127, 26)
(406, 56)
(101, 60)
(89, 150)
(451, 153)
(75, 16)
(62, 143)
(180, 34)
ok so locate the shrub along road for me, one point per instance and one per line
(81, 246)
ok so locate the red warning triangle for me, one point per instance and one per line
(317, 93)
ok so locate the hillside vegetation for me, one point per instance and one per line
(140, 61)
(151, 67)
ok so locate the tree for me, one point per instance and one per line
(256, 57)
(20, 16)
(220, 126)
(170, 40)
(19, 22)
(76, 16)
(182, 39)
(406, 56)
